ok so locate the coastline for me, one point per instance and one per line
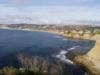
(94, 54)
(92, 57)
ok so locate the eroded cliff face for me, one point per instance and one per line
(89, 62)
(94, 54)
(86, 64)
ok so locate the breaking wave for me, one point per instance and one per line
(62, 54)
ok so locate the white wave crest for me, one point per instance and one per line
(64, 39)
(73, 48)
(58, 36)
(63, 57)
(62, 54)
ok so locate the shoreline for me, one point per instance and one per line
(94, 54)
(91, 57)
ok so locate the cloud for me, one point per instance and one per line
(63, 11)
(52, 2)
(49, 14)
(17, 1)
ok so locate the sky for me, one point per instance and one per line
(50, 11)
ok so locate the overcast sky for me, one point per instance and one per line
(49, 11)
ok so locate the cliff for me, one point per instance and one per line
(90, 62)
(94, 54)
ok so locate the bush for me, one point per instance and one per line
(14, 71)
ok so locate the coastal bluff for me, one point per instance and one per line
(90, 62)
(94, 54)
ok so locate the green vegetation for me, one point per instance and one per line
(14, 71)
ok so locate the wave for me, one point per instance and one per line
(64, 39)
(73, 48)
(62, 56)
(58, 37)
